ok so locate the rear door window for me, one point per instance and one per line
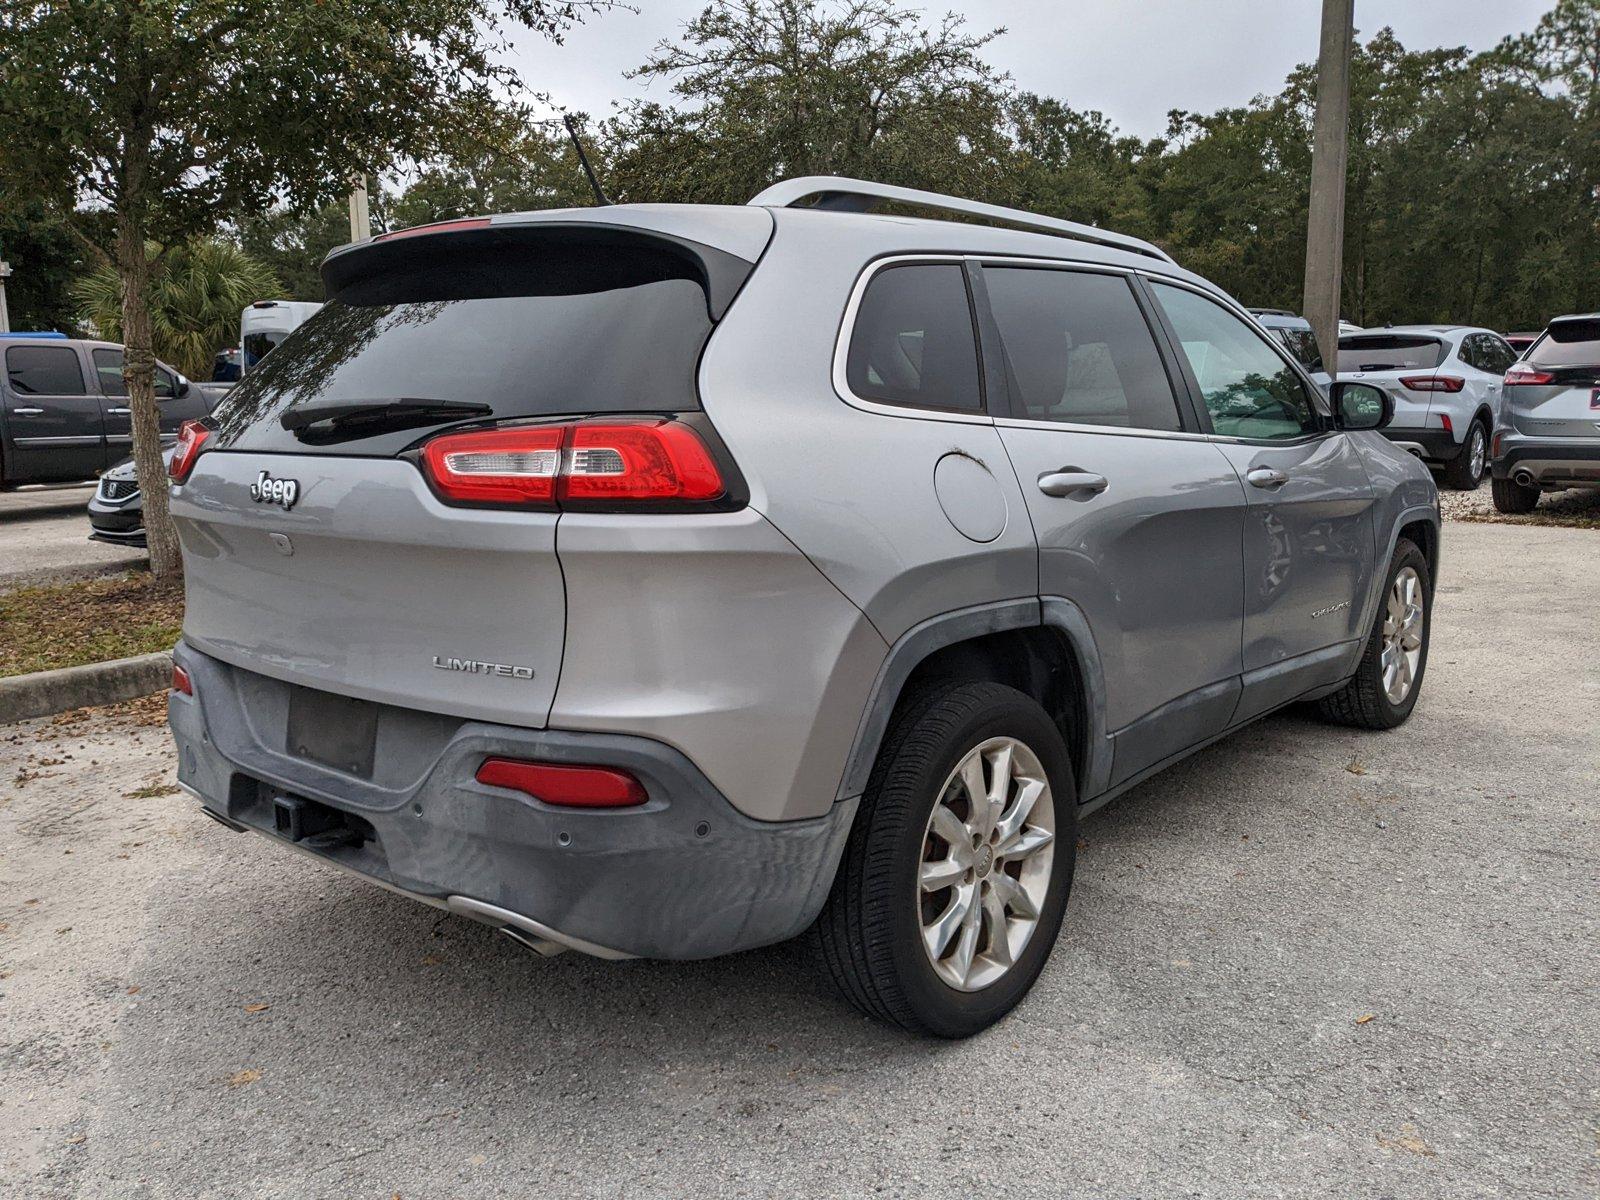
(1569, 344)
(1389, 352)
(1078, 349)
(913, 341)
(44, 371)
(1248, 389)
(108, 370)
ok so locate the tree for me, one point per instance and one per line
(196, 295)
(292, 244)
(775, 88)
(170, 116)
(46, 256)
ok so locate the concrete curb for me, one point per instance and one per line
(45, 693)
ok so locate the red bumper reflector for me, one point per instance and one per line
(181, 681)
(564, 786)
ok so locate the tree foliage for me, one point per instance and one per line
(197, 293)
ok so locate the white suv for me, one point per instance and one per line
(1446, 382)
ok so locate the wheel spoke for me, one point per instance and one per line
(967, 944)
(937, 935)
(947, 872)
(1014, 896)
(999, 789)
(1029, 841)
(999, 951)
(948, 826)
(1014, 817)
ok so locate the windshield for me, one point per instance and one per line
(593, 341)
(1389, 352)
(1569, 344)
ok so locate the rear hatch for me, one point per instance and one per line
(1402, 364)
(1553, 391)
(316, 549)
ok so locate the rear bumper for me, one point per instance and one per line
(683, 876)
(1549, 463)
(1431, 445)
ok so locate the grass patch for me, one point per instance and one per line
(68, 625)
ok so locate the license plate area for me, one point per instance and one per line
(336, 731)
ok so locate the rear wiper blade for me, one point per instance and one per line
(402, 410)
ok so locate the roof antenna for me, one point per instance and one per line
(583, 159)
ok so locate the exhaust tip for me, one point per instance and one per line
(540, 946)
(1524, 479)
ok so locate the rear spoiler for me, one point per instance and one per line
(484, 257)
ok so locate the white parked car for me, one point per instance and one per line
(1446, 381)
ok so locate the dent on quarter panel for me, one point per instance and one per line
(713, 634)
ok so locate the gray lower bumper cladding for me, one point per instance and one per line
(683, 876)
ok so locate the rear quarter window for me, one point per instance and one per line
(913, 341)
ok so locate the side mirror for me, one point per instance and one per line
(1361, 406)
(182, 388)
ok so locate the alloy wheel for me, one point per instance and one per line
(1478, 449)
(987, 854)
(1402, 635)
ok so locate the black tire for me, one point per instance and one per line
(1511, 497)
(1363, 702)
(1458, 472)
(869, 933)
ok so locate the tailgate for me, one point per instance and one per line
(370, 587)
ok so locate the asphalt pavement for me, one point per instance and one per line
(44, 538)
(1306, 962)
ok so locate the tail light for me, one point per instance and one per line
(1523, 375)
(581, 464)
(564, 786)
(181, 681)
(192, 437)
(1434, 383)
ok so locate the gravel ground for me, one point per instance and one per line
(1579, 508)
(1306, 962)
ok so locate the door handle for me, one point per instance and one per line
(27, 412)
(1266, 477)
(118, 412)
(1069, 480)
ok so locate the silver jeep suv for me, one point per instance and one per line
(666, 581)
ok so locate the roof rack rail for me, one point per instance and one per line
(856, 195)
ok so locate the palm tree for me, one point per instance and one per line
(198, 291)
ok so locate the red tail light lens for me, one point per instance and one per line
(658, 460)
(1434, 383)
(497, 466)
(584, 464)
(1522, 374)
(191, 439)
(181, 681)
(564, 786)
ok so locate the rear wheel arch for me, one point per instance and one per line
(1042, 650)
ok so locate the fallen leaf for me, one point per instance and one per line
(431, 960)
(261, 1007)
(134, 990)
(1409, 1141)
(1362, 1020)
(1355, 768)
(240, 1078)
(77, 1139)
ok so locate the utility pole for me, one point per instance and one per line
(1329, 149)
(5, 315)
(360, 220)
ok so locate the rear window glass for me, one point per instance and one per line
(1389, 352)
(258, 345)
(1569, 344)
(537, 331)
(44, 371)
(913, 341)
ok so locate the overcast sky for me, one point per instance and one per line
(1132, 59)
